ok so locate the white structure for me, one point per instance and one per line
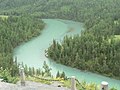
(73, 83)
(22, 76)
(104, 85)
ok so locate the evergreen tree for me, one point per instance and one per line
(58, 75)
(63, 75)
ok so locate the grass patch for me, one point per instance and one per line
(3, 16)
(38, 80)
(67, 83)
(117, 37)
(85, 86)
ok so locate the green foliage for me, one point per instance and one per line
(44, 72)
(113, 89)
(62, 75)
(95, 49)
(58, 75)
(38, 71)
(104, 14)
(13, 32)
(82, 85)
(38, 80)
(88, 52)
(6, 76)
(47, 69)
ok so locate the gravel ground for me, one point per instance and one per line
(30, 86)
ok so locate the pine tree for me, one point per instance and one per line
(46, 69)
(58, 75)
(63, 75)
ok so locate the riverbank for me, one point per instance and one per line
(13, 32)
(32, 53)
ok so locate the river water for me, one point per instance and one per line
(32, 53)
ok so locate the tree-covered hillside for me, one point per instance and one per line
(96, 49)
(91, 12)
(13, 32)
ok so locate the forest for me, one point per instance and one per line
(96, 49)
(13, 32)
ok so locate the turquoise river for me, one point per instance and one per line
(32, 53)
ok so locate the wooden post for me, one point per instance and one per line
(22, 76)
(73, 83)
(104, 85)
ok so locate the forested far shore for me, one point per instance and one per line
(88, 53)
(13, 32)
(96, 49)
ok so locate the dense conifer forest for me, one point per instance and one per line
(13, 32)
(96, 49)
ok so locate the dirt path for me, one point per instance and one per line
(30, 86)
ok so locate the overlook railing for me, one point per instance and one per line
(104, 85)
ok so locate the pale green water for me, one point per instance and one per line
(32, 52)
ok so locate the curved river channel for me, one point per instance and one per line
(32, 53)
